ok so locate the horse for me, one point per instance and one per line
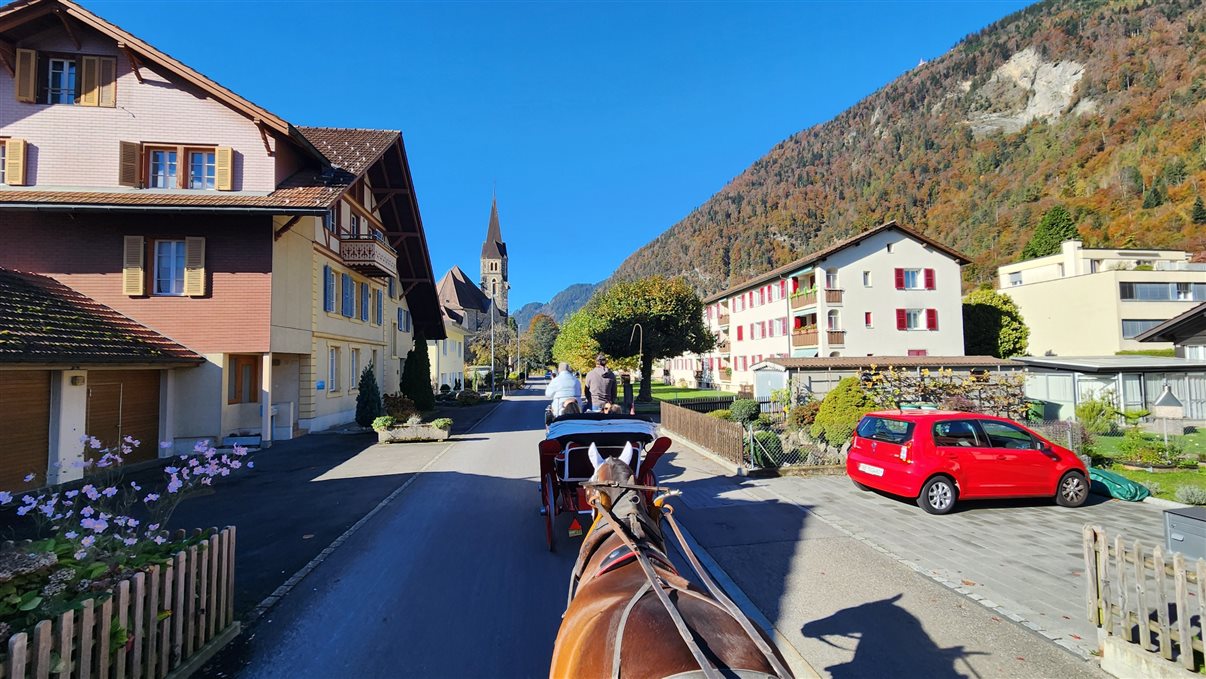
(619, 624)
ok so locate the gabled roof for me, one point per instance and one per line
(775, 274)
(1177, 328)
(494, 247)
(44, 322)
(349, 149)
(459, 293)
(858, 362)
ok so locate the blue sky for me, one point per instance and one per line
(601, 124)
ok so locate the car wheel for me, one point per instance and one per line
(1072, 491)
(937, 495)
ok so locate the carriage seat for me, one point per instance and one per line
(577, 467)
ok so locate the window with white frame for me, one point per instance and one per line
(169, 267)
(831, 279)
(60, 81)
(354, 376)
(1015, 278)
(913, 279)
(202, 166)
(915, 319)
(333, 369)
(835, 319)
(161, 171)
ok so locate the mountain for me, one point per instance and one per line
(560, 307)
(1095, 105)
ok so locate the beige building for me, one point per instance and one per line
(889, 291)
(447, 356)
(1096, 302)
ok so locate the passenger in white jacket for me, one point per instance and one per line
(563, 389)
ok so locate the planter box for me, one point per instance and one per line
(194, 594)
(1152, 468)
(405, 433)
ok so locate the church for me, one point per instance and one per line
(470, 304)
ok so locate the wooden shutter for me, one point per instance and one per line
(26, 76)
(902, 318)
(929, 279)
(106, 81)
(223, 172)
(89, 81)
(14, 162)
(127, 166)
(739, 333)
(133, 278)
(900, 279)
(931, 319)
(194, 266)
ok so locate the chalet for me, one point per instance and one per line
(283, 259)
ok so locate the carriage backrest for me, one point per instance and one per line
(577, 465)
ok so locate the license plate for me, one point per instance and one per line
(870, 469)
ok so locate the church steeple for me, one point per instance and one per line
(494, 261)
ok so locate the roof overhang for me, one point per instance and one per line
(1178, 327)
(1113, 364)
(116, 365)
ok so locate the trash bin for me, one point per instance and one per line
(1185, 531)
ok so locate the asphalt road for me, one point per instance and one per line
(451, 579)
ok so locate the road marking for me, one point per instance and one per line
(271, 600)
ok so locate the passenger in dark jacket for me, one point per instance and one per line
(601, 383)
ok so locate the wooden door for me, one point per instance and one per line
(25, 421)
(125, 403)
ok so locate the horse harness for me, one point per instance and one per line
(646, 555)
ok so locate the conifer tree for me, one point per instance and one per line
(368, 401)
(1199, 211)
(1055, 228)
(416, 376)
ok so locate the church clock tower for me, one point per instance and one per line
(494, 262)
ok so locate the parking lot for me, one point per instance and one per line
(1024, 556)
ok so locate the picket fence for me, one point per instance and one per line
(1146, 597)
(725, 438)
(171, 614)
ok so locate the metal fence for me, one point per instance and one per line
(1067, 433)
(705, 404)
(771, 444)
(722, 437)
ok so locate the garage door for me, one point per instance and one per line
(25, 421)
(125, 403)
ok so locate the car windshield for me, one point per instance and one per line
(883, 429)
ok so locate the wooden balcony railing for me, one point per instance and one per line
(833, 296)
(804, 338)
(835, 337)
(803, 300)
(368, 255)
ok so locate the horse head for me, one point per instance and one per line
(622, 502)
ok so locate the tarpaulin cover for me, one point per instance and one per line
(1116, 486)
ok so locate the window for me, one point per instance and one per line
(883, 429)
(1162, 292)
(1004, 435)
(831, 279)
(867, 319)
(201, 169)
(373, 359)
(914, 319)
(329, 222)
(1061, 269)
(957, 433)
(355, 374)
(169, 267)
(346, 287)
(354, 225)
(3, 161)
(912, 279)
(60, 81)
(403, 320)
(918, 352)
(889, 248)
(1133, 328)
(364, 302)
(161, 172)
(866, 279)
(328, 288)
(243, 382)
(834, 320)
(392, 289)
(379, 310)
(1015, 278)
(333, 369)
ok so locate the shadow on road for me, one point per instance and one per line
(889, 641)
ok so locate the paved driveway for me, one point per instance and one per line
(1025, 556)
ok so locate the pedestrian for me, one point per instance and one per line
(601, 383)
(564, 391)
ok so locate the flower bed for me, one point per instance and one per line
(389, 431)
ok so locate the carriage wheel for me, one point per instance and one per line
(550, 507)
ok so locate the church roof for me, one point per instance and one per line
(494, 247)
(458, 292)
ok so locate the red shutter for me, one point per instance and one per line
(902, 318)
(795, 285)
(929, 279)
(783, 288)
(900, 279)
(739, 328)
(931, 319)
(798, 322)
(867, 318)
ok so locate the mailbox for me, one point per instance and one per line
(1185, 531)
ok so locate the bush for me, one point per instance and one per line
(764, 423)
(721, 414)
(384, 422)
(768, 449)
(399, 407)
(840, 412)
(368, 400)
(802, 416)
(1191, 495)
(468, 398)
(416, 375)
(444, 388)
(1154, 487)
(957, 402)
(744, 410)
(1098, 415)
(1133, 415)
(444, 423)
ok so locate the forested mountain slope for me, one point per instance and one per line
(1095, 105)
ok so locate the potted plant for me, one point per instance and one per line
(413, 429)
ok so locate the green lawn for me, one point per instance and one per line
(1194, 443)
(667, 392)
(1167, 483)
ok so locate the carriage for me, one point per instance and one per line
(565, 463)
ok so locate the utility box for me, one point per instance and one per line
(1185, 531)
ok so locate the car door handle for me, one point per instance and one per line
(1002, 457)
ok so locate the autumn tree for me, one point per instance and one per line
(992, 325)
(575, 343)
(670, 315)
(504, 338)
(537, 344)
(1055, 227)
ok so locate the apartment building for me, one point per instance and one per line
(1096, 301)
(889, 291)
(286, 258)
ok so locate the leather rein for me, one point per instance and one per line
(657, 584)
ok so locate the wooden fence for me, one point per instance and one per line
(166, 616)
(722, 437)
(705, 404)
(1146, 597)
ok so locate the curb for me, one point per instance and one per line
(795, 660)
(1164, 504)
(732, 467)
(271, 600)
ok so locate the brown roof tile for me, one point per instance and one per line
(349, 149)
(45, 322)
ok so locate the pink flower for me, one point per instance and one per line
(87, 511)
(159, 540)
(165, 444)
(29, 477)
(130, 541)
(88, 540)
(71, 535)
(251, 465)
(5, 497)
(109, 492)
(81, 554)
(151, 497)
(94, 443)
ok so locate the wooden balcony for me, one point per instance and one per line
(804, 338)
(368, 255)
(835, 337)
(724, 319)
(804, 300)
(833, 296)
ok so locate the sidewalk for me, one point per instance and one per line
(849, 609)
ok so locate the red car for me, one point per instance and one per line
(939, 456)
